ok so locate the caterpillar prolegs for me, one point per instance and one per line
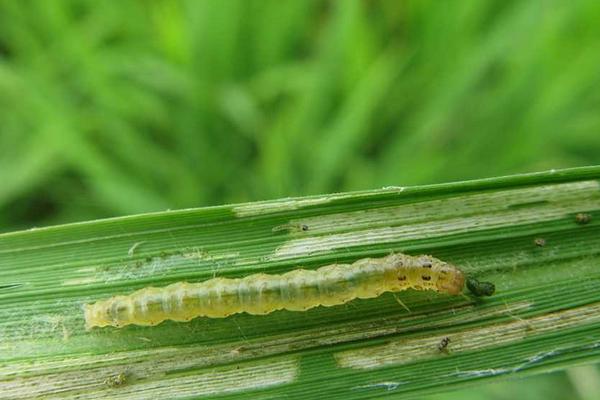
(260, 294)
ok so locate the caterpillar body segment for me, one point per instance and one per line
(259, 294)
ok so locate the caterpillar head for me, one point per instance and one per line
(439, 275)
(450, 279)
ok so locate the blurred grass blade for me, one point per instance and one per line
(536, 236)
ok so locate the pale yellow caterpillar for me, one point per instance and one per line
(260, 294)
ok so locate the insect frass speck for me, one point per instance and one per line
(259, 294)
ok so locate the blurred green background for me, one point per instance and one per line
(110, 108)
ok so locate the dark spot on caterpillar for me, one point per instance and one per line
(480, 289)
(426, 277)
(443, 345)
(402, 278)
(540, 242)
(426, 264)
(583, 218)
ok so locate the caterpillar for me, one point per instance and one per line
(292, 227)
(260, 294)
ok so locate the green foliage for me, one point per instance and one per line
(111, 109)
